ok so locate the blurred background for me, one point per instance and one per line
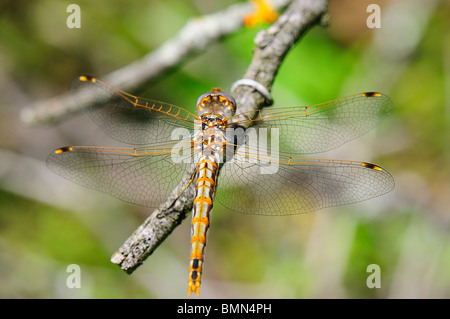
(48, 223)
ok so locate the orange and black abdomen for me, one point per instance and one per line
(205, 183)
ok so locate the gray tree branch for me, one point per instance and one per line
(271, 48)
(192, 39)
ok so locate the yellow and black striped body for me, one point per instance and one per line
(205, 184)
(209, 143)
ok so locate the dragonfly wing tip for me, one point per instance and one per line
(87, 78)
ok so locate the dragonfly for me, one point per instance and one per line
(258, 170)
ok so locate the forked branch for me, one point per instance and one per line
(192, 39)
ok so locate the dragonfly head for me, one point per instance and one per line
(216, 102)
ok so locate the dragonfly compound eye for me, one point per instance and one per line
(217, 103)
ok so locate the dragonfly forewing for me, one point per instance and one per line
(323, 127)
(128, 118)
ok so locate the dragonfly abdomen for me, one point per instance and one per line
(205, 182)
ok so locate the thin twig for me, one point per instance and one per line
(272, 46)
(192, 39)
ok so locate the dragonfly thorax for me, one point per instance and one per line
(216, 103)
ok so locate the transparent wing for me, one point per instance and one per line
(128, 118)
(143, 176)
(322, 127)
(297, 185)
